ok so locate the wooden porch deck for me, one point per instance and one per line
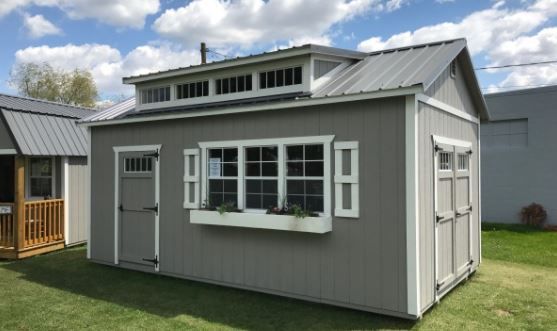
(29, 228)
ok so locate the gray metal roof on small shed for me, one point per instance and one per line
(112, 112)
(41, 128)
(43, 107)
(394, 68)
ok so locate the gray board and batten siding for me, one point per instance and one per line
(361, 264)
(433, 121)
(6, 141)
(519, 154)
(77, 187)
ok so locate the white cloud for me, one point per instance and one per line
(37, 26)
(106, 64)
(500, 34)
(483, 29)
(120, 13)
(527, 49)
(247, 22)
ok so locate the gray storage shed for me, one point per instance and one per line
(378, 154)
(517, 153)
(43, 162)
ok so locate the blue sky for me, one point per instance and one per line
(115, 38)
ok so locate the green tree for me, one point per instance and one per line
(42, 81)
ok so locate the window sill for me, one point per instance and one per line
(263, 221)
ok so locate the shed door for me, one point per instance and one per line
(453, 213)
(138, 208)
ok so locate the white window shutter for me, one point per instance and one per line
(352, 179)
(191, 178)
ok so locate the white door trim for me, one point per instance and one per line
(140, 148)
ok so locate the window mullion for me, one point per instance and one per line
(241, 174)
(281, 175)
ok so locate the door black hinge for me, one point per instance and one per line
(155, 209)
(439, 218)
(155, 155)
(121, 207)
(469, 152)
(439, 285)
(155, 261)
(471, 262)
(437, 148)
(470, 208)
(458, 214)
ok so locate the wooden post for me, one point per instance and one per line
(19, 208)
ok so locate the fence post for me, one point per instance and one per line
(19, 212)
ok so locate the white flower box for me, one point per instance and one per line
(322, 224)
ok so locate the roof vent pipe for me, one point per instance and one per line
(203, 50)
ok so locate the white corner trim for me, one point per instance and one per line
(9, 151)
(66, 197)
(88, 194)
(139, 148)
(451, 141)
(447, 108)
(264, 107)
(412, 212)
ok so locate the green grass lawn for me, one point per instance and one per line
(515, 288)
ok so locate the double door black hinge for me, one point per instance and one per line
(155, 208)
(155, 261)
(155, 155)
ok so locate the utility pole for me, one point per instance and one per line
(203, 50)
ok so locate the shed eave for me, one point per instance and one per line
(411, 90)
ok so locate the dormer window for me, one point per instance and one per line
(233, 84)
(192, 90)
(156, 94)
(280, 77)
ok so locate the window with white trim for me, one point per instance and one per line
(222, 167)
(256, 175)
(155, 94)
(261, 180)
(445, 161)
(463, 161)
(41, 177)
(138, 164)
(304, 176)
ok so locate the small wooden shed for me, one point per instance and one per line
(316, 173)
(43, 167)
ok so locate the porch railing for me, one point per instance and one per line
(43, 221)
(7, 227)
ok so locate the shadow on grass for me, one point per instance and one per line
(519, 228)
(170, 297)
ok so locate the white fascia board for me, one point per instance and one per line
(451, 141)
(9, 151)
(263, 107)
(446, 108)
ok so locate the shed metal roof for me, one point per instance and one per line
(394, 68)
(43, 107)
(113, 111)
(405, 67)
(40, 135)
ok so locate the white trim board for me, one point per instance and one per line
(451, 141)
(263, 107)
(66, 197)
(140, 148)
(420, 97)
(412, 207)
(88, 194)
(9, 151)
